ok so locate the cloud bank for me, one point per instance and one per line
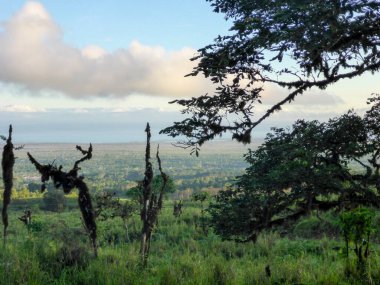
(33, 54)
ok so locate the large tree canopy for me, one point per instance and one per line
(324, 40)
(312, 166)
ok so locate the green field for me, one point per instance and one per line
(56, 251)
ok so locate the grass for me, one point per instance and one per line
(56, 251)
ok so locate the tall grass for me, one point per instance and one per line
(56, 251)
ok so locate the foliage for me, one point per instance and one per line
(179, 255)
(296, 171)
(54, 201)
(203, 222)
(67, 250)
(108, 169)
(107, 206)
(357, 227)
(157, 183)
(372, 121)
(200, 196)
(317, 225)
(267, 37)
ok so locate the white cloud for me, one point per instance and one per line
(93, 52)
(33, 54)
(20, 109)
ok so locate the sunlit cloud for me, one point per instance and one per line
(34, 54)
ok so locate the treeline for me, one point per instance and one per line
(109, 171)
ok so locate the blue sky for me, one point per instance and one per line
(113, 24)
(79, 71)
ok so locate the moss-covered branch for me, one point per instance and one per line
(7, 163)
(68, 181)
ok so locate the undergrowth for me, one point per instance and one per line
(55, 250)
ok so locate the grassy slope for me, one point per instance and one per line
(56, 251)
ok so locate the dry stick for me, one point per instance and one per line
(165, 179)
(152, 203)
(7, 163)
(85, 205)
(147, 195)
(156, 202)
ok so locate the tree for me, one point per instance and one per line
(203, 223)
(107, 206)
(297, 171)
(372, 121)
(7, 163)
(158, 183)
(357, 227)
(68, 181)
(151, 201)
(26, 218)
(266, 38)
(200, 197)
(177, 208)
(136, 192)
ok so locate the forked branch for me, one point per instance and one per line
(68, 181)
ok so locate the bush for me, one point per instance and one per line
(316, 227)
(54, 201)
(68, 248)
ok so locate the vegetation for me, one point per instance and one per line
(54, 201)
(357, 227)
(108, 170)
(299, 170)
(295, 184)
(266, 38)
(56, 251)
(177, 208)
(109, 207)
(312, 167)
(53, 249)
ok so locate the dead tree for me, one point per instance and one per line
(151, 200)
(177, 209)
(7, 163)
(26, 218)
(68, 181)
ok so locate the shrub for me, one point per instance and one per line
(54, 201)
(357, 228)
(68, 249)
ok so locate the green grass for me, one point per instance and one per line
(56, 251)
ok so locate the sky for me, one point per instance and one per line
(80, 71)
